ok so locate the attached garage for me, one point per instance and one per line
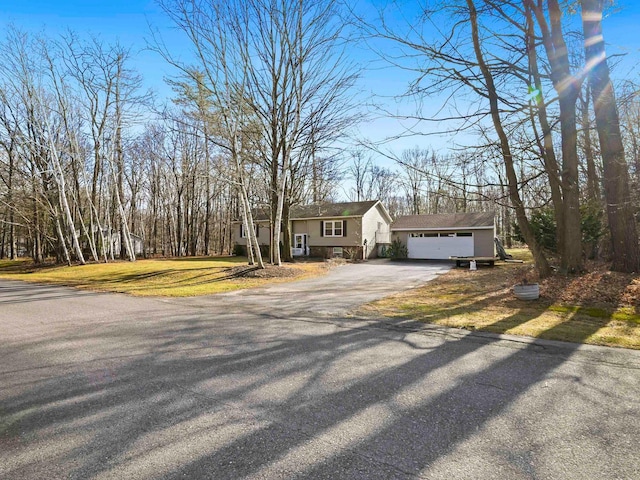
(440, 237)
(440, 246)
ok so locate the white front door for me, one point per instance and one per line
(299, 244)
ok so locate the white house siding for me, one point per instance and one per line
(402, 236)
(370, 222)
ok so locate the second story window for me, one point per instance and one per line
(333, 228)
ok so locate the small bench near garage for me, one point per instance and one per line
(463, 236)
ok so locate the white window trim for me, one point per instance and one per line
(333, 228)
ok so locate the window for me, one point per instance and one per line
(465, 234)
(423, 235)
(333, 228)
(337, 252)
(243, 233)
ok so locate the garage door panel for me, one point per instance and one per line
(439, 247)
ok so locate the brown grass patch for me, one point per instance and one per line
(600, 307)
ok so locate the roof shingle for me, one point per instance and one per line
(444, 221)
(325, 210)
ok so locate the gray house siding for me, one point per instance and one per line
(483, 244)
(360, 221)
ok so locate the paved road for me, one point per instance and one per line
(281, 383)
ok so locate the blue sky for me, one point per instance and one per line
(128, 22)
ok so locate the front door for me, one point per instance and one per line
(299, 244)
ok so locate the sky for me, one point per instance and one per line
(129, 21)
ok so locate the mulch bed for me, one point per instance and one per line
(270, 271)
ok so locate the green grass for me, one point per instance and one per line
(176, 277)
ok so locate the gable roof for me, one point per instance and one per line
(330, 210)
(325, 210)
(445, 221)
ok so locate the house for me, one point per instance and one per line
(111, 237)
(349, 229)
(446, 235)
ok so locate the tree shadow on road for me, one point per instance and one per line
(227, 396)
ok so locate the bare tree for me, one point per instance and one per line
(622, 223)
(523, 222)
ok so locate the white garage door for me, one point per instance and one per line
(440, 246)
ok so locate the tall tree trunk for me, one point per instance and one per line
(622, 223)
(64, 203)
(61, 241)
(286, 230)
(11, 209)
(593, 182)
(568, 90)
(547, 148)
(207, 188)
(538, 256)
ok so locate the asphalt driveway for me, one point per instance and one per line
(281, 382)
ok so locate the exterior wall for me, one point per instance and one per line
(263, 234)
(354, 253)
(300, 226)
(136, 241)
(370, 222)
(358, 229)
(402, 236)
(353, 238)
(483, 244)
(318, 246)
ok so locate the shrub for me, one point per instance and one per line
(397, 250)
(239, 250)
(543, 224)
(352, 253)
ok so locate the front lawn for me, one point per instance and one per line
(599, 307)
(175, 277)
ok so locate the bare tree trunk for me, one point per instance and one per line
(547, 148)
(252, 239)
(568, 90)
(245, 222)
(207, 208)
(10, 208)
(538, 256)
(61, 240)
(593, 182)
(622, 223)
(64, 202)
(286, 228)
